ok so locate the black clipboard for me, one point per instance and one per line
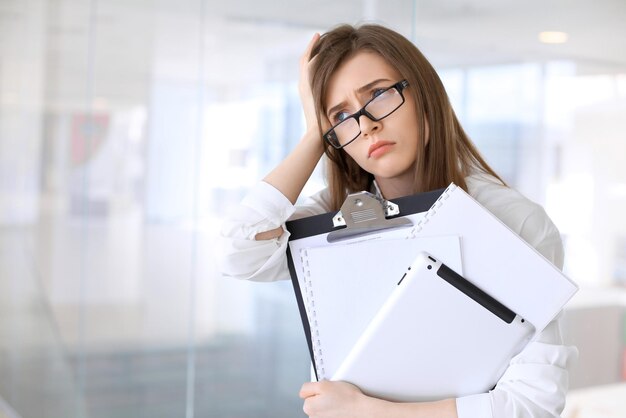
(361, 214)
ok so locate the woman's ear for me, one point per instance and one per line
(426, 132)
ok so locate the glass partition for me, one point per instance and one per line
(128, 130)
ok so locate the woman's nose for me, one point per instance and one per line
(368, 126)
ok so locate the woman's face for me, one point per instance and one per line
(387, 148)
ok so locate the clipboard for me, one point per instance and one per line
(367, 221)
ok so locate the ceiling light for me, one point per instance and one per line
(553, 37)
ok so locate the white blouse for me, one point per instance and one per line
(536, 381)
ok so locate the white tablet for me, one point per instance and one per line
(437, 336)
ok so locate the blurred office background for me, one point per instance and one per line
(129, 128)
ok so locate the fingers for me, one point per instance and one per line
(306, 57)
(309, 389)
(304, 86)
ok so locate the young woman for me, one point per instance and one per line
(376, 107)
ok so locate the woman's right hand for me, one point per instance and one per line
(304, 86)
(290, 176)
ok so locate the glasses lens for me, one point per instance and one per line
(346, 131)
(378, 108)
(384, 103)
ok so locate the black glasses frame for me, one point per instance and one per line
(331, 137)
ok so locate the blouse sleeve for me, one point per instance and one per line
(263, 209)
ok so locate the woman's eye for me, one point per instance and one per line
(340, 116)
(378, 92)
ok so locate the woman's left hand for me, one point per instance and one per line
(328, 399)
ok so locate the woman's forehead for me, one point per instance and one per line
(360, 69)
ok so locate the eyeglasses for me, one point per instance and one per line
(382, 105)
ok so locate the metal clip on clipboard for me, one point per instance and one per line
(365, 213)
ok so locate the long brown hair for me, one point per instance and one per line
(450, 155)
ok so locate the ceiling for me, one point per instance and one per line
(113, 49)
(460, 32)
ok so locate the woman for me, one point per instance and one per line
(377, 109)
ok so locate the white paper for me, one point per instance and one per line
(347, 284)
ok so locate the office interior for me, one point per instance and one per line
(130, 129)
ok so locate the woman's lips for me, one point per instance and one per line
(379, 148)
